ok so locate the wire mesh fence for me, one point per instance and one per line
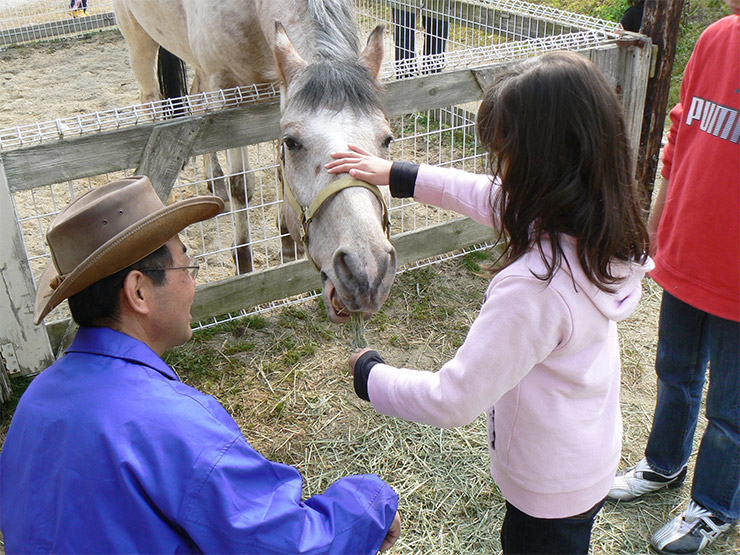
(425, 38)
(425, 28)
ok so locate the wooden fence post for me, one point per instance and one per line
(660, 22)
(24, 347)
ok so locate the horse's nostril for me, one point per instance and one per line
(343, 268)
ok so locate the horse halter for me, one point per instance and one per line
(306, 214)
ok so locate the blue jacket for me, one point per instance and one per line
(109, 451)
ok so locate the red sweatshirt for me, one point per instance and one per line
(698, 257)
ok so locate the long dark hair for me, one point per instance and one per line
(557, 130)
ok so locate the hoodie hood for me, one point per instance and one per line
(622, 302)
(615, 306)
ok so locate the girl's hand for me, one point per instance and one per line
(355, 357)
(361, 165)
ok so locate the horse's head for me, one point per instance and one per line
(326, 105)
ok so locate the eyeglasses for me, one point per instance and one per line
(192, 270)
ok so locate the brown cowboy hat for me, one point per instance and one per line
(106, 230)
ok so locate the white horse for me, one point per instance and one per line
(330, 97)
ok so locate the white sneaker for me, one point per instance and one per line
(690, 532)
(641, 479)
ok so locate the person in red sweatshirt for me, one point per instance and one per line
(695, 236)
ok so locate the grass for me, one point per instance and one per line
(296, 405)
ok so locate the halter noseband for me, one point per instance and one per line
(307, 213)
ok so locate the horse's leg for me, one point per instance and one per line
(241, 185)
(142, 51)
(211, 166)
(291, 250)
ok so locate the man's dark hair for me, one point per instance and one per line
(98, 305)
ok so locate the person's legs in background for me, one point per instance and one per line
(681, 363)
(716, 484)
(436, 32)
(689, 339)
(404, 39)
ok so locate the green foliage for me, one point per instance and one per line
(697, 16)
(239, 347)
(613, 11)
(473, 260)
(236, 327)
(195, 362)
(18, 387)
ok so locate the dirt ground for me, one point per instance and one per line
(74, 76)
(44, 81)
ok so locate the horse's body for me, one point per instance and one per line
(329, 99)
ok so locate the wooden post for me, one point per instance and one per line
(660, 22)
(168, 147)
(24, 346)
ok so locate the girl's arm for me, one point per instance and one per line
(520, 324)
(468, 194)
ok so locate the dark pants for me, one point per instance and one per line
(404, 39)
(524, 534)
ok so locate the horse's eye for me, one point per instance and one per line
(387, 141)
(291, 144)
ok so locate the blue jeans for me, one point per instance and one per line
(523, 534)
(689, 339)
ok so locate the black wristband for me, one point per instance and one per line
(362, 372)
(402, 179)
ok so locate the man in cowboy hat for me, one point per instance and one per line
(109, 451)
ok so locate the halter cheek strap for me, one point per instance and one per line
(306, 214)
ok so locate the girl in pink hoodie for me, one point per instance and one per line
(542, 357)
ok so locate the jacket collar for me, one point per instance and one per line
(111, 343)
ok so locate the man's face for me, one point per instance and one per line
(173, 299)
(734, 6)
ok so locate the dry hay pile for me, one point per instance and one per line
(284, 378)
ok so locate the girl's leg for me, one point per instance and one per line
(524, 534)
(681, 363)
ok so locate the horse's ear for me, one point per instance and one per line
(289, 62)
(372, 56)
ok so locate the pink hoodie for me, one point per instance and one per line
(543, 358)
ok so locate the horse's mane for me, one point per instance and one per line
(328, 84)
(335, 28)
(336, 79)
